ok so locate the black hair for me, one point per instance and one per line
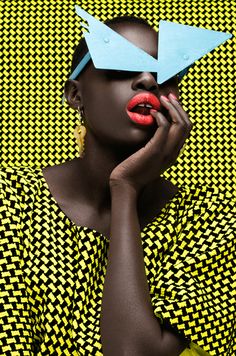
(81, 49)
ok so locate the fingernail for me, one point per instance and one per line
(165, 98)
(153, 112)
(173, 96)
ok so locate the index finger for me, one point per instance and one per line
(163, 127)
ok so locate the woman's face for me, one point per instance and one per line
(105, 94)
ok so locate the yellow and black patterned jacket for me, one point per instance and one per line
(52, 271)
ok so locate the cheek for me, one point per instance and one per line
(170, 86)
(110, 100)
(106, 117)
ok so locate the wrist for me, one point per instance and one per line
(123, 187)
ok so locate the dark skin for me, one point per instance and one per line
(116, 189)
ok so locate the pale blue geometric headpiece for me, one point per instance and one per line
(179, 46)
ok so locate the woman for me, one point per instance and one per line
(98, 250)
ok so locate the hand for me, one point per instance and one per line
(160, 152)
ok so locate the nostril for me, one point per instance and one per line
(145, 81)
(146, 86)
(140, 86)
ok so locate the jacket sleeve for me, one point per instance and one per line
(194, 287)
(15, 323)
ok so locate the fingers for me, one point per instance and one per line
(188, 124)
(172, 109)
(173, 134)
(181, 125)
(180, 109)
(159, 139)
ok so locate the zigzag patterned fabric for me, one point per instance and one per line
(38, 39)
(53, 272)
(50, 301)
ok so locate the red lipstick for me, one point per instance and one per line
(138, 108)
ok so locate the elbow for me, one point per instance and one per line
(143, 344)
(153, 347)
(141, 349)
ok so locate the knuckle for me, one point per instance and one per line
(165, 125)
(181, 125)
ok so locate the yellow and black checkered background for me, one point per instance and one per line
(38, 40)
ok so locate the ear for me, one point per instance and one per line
(72, 93)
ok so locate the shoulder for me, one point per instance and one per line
(14, 172)
(206, 197)
(17, 183)
(200, 210)
(16, 176)
(207, 193)
(196, 200)
(206, 214)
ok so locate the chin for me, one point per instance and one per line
(134, 141)
(140, 135)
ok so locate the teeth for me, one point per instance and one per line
(145, 105)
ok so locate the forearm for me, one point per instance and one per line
(128, 324)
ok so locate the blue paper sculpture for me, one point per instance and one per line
(179, 46)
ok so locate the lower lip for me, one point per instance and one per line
(144, 120)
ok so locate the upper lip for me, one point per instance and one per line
(144, 98)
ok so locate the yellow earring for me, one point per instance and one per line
(79, 133)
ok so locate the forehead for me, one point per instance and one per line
(140, 35)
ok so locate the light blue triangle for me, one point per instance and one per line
(110, 50)
(179, 46)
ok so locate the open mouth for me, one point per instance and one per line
(138, 108)
(142, 109)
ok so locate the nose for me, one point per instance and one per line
(145, 81)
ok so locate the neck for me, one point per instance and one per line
(92, 172)
(94, 169)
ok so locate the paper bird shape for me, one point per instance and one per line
(179, 46)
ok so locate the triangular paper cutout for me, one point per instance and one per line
(110, 50)
(179, 46)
